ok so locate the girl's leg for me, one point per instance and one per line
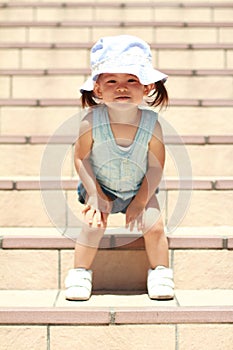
(156, 243)
(87, 246)
(79, 280)
(160, 283)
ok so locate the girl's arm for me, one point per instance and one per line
(97, 205)
(152, 178)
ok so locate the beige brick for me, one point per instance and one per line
(186, 35)
(12, 35)
(9, 58)
(29, 269)
(149, 337)
(46, 87)
(216, 156)
(182, 14)
(55, 58)
(113, 14)
(229, 59)
(207, 208)
(200, 87)
(206, 336)
(137, 14)
(98, 32)
(51, 34)
(26, 208)
(145, 33)
(23, 337)
(13, 14)
(27, 160)
(225, 35)
(34, 120)
(191, 59)
(203, 269)
(27, 298)
(200, 120)
(4, 87)
(223, 14)
(205, 297)
(64, 14)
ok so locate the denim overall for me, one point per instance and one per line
(118, 170)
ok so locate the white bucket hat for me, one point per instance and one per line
(122, 54)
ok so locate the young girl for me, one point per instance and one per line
(119, 156)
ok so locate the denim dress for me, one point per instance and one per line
(120, 171)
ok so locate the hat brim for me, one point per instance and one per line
(145, 76)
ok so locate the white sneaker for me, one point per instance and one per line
(78, 284)
(160, 283)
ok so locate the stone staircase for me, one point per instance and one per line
(44, 57)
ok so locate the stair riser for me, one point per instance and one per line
(163, 58)
(115, 269)
(116, 13)
(199, 208)
(67, 86)
(155, 337)
(34, 120)
(27, 160)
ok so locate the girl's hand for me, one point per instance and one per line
(96, 211)
(135, 215)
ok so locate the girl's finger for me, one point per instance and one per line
(131, 226)
(98, 218)
(140, 222)
(89, 215)
(86, 208)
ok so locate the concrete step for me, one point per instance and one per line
(40, 259)
(168, 324)
(202, 202)
(47, 102)
(44, 320)
(19, 118)
(28, 152)
(69, 31)
(66, 86)
(171, 55)
(166, 11)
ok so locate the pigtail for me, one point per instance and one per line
(87, 99)
(160, 95)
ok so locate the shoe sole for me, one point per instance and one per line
(77, 299)
(163, 297)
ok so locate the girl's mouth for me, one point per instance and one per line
(122, 98)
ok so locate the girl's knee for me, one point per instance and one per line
(154, 227)
(90, 236)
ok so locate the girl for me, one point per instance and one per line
(119, 156)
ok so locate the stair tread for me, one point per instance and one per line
(118, 238)
(50, 307)
(126, 23)
(67, 139)
(88, 45)
(84, 71)
(47, 102)
(106, 3)
(66, 183)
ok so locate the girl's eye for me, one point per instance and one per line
(112, 81)
(132, 80)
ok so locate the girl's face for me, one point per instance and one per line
(120, 88)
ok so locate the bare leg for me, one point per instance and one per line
(87, 246)
(156, 243)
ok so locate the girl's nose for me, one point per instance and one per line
(122, 88)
